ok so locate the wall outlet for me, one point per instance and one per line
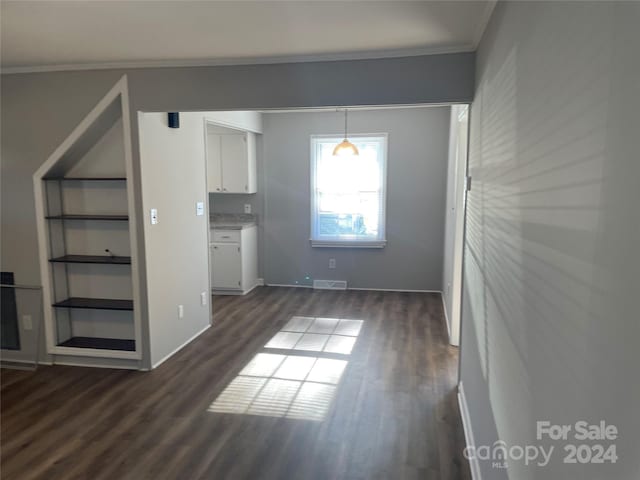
(27, 323)
(180, 311)
(154, 216)
(332, 263)
(203, 298)
(247, 208)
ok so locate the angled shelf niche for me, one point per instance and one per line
(86, 234)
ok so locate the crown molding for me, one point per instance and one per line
(328, 57)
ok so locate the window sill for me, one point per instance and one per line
(348, 244)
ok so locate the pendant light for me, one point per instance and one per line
(345, 147)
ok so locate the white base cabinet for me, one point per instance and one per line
(234, 260)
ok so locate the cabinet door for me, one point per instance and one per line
(235, 164)
(214, 163)
(226, 266)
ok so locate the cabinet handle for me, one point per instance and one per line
(217, 189)
(226, 236)
(224, 189)
(215, 248)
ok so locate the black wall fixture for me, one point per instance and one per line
(174, 119)
(10, 333)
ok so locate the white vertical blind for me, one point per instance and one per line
(348, 192)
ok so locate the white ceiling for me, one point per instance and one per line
(58, 35)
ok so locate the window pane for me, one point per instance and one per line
(348, 201)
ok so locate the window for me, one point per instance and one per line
(348, 192)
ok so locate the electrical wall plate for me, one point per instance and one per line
(199, 209)
(154, 216)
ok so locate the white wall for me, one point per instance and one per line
(454, 219)
(550, 320)
(173, 178)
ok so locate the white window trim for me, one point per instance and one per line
(348, 243)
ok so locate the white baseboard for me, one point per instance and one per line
(227, 292)
(96, 365)
(400, 290)
(358, 288)
(474, 466)
(18, 365)
(48, 363)
(170, 354)
(259, 283)
(26, 362)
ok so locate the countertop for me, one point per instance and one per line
(232, 221)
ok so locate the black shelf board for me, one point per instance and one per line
(95, 303)
(103, 259)
(83, 179)
(88, 217)
(100, 343)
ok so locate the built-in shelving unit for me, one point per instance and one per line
(86, 233)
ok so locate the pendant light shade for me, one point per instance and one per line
(345, 147)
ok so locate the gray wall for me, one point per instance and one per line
(550, 320)
(416, 189)
(38, 111)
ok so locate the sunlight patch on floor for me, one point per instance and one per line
(301, 385)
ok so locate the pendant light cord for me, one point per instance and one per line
(345, 123)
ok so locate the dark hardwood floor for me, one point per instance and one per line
(393, 414)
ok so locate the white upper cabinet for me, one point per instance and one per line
(231, 162)
(214, 164)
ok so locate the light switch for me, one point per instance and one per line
(199, 209)
(247, 208)
(154, 216)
